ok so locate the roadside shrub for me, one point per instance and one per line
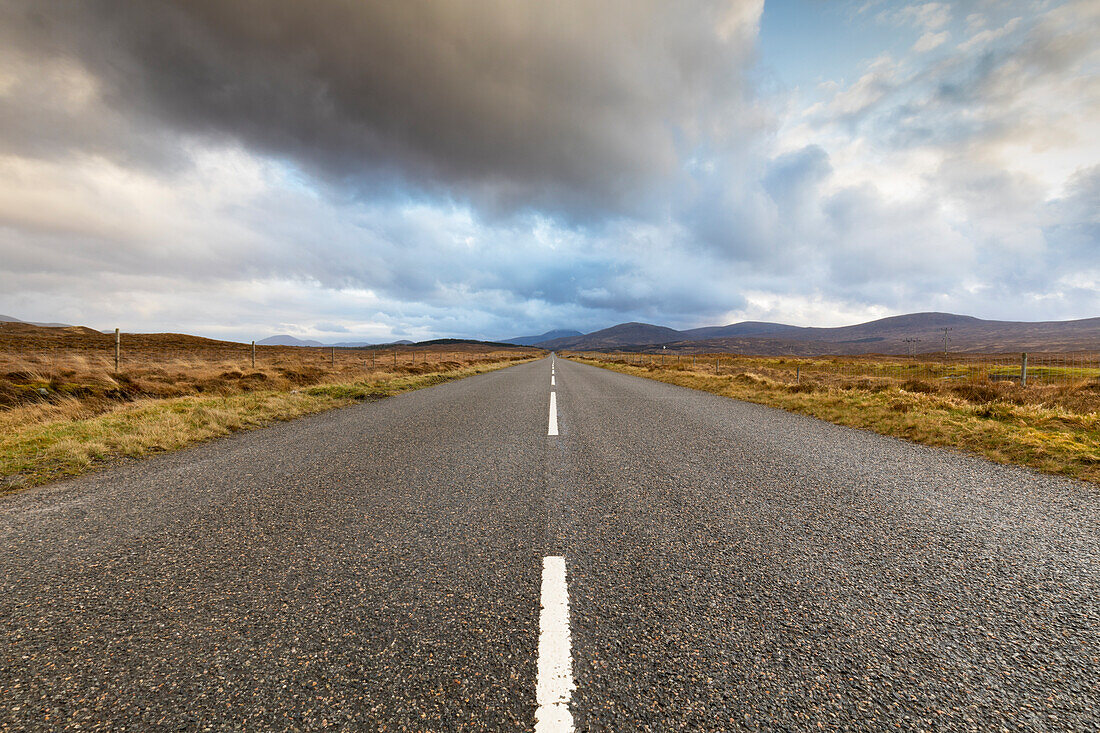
(996, 411)
(868, 384)
(919, 386)
(803, 387)
(978, 392)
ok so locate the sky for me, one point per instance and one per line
(367, 170)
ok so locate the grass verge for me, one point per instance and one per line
(42, 450)
(1048, 437)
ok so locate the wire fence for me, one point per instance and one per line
(1023, 369)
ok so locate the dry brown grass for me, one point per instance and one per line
(1052, 428)
(64, 410)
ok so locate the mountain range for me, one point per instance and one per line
(915, 332)
(288, 340)
(548, 336)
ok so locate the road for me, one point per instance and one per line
(441, 561)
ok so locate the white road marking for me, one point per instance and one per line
(555, 669)
(551, 380)
(553, 430)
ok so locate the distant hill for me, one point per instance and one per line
(15, 335)
(920, 332)
(616, 337)
(745, 328)
(548, 336)
(11, 319)
(402, 342)
(286, 340)
(454, 341)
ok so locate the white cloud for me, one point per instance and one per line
(947, 169)
(929, 16)
(930, 40)
(984, 38)
(879, 79)
(813, 308)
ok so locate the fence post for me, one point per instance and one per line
(1023, 369)
(118, 349)
(798, 374)
(717, 362)
(332, 356)
(394, 357)
(253, 354)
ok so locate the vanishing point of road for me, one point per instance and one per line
(559, 546)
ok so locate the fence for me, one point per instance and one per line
(1024, 369)
(117, 352)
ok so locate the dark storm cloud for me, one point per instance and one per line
(570, 106)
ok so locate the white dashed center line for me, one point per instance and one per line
(553, 429)
(552, 380)
(555, 670)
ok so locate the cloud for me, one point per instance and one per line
(954, 173)
(377, 170)
(569, 106)
(983, 38)
(929, 16)
(1072, 228)
(880, 79)
(930, 40)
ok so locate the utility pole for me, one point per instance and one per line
(909, 345)
(945, 342)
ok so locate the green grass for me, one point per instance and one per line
(1053, 438)
(44, 451)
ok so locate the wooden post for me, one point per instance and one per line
(332, 356)
(395, 356)
(118, 349)
(1023, 369)
(253, 354)
(716, 363)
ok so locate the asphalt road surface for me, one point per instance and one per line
(442, 561)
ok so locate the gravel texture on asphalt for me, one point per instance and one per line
(730, 566)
